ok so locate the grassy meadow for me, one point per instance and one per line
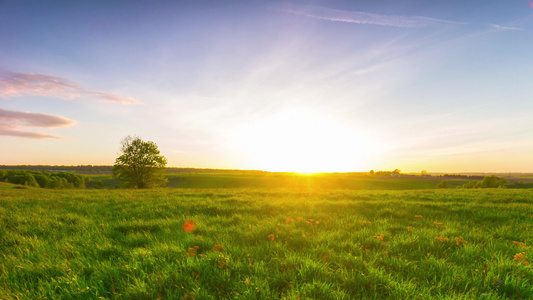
(258, 243)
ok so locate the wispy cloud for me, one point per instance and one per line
(359, 17)
(20, 84)
(27, 134)
(11, 123)
(506, 27)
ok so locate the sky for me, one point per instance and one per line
(304, 86)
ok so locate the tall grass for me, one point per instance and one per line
(265, 244)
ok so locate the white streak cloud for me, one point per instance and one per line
(20, 84)
(506, 27)
(12, 121)
(359, 17)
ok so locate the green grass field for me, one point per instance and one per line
(274, 244)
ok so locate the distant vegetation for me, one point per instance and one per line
(56, 180)
(487, 182)
(105, 169)
(81, 169)
(215, 178)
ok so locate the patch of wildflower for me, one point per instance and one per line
(520, 244)
(437, 224)
(289, 220)
(364, 223)
(520, 256)
(303, 235)
(217, 248)
(460, 240)
(410, 228)
(418, 216)
(192, 251)
(379, 237)
(189, 226)
(440, 238)
(271, 237)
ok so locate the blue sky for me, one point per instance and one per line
(277, 85)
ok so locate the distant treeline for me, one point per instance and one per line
(396, 172)
(90, 169)
(54, 180)
(459, 176)
(485, 182)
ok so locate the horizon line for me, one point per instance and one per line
(297, 172)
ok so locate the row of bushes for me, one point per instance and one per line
(54, 180)
(487, 182)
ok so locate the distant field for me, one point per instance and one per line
(290, 181)
(272, 244)
(293, 181)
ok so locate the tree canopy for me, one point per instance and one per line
(141, 165)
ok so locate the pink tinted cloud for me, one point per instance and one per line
(27, 134)
(359, 17)
(20, 84)
(22, 118)
(12, 121)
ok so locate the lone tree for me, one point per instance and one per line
(140, 165)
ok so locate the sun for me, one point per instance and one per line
(303, 141)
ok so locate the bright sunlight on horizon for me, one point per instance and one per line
(321, 86)
(304, 141)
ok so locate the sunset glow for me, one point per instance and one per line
(303, 141)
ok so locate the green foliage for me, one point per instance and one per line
(117, 244)
(140, 165)
(56, 180)
(487, 182)
(493, 182)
